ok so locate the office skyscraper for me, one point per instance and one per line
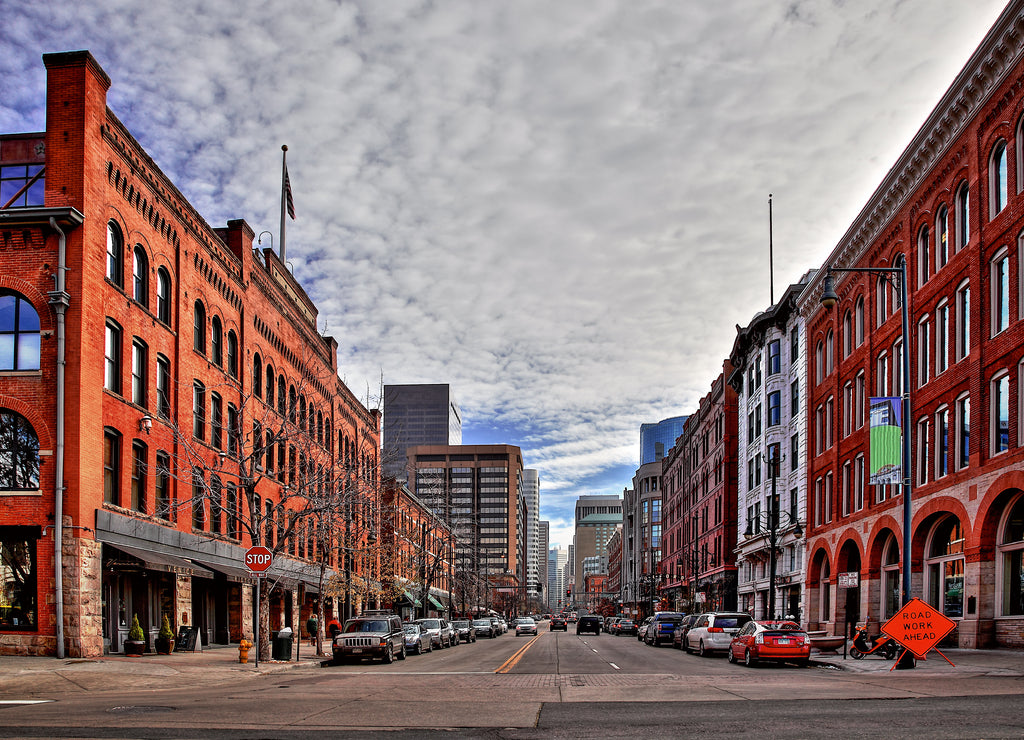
(657, 439)
(531, 493)
(417, 415)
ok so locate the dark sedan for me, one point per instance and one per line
(558, 623)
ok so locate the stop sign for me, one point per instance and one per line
(258, 558)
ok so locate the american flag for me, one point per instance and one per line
(290, 204)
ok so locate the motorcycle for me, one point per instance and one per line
(865, 644)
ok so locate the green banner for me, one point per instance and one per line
(886, 438)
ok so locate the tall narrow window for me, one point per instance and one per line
(232, 510)
(1000, 276)
(257, 376)
(941, 337)
(923, 350)
(941, 442)
(270, 386)
(111, 467)
(198, 410)
(163, 386)
(830, 356)
(112, 358)
(847, 334)
(858, 483)
(794, 399)
(847, 408)
(140, 276)
(859, 400)
(997, 178)
(794, 344)
(139, 364)
(963, 321)
(232, 430)
(216, 421)
(115, 255)
(963, 216)
(199, 329)
(216, 341)
(163, 296)
(139, 455)
(216, 504)
(198, 500)
(162, 486)
(882, 375)
(232, 354)
(922, 451)
(819, 362)
(963, 432)
(19, 333)
(882, 290)
(923, 255)
(1000, 414)
(941, 238)
(858, 322)
(774, 357)
(774, 408)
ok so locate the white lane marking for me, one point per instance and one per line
(615, 666)
(25, 701)
(594, 649)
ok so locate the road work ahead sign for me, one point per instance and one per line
(918, 627)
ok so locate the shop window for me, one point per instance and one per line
(944, 568)
(19, 333)
(19, 453)
(18, 607)
(1011, 560)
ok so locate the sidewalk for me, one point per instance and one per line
(974, 662)
(28, 676)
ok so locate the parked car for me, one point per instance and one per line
(661, 628)
(625, 627)
(498, 630)
(641, 631)
(558, 623)
(439, 630)
(525, 626)
(463, 630)
(588, 623)
(504, 625)
(770, 640)
(416, 640)
(713, 631)
(679, 633)
(484, 628)
(371, 636)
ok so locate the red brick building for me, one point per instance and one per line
(171, 399)
(952, 207)
(699, 492)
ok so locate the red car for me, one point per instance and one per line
(770, 640)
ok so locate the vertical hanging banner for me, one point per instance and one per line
(886, 439)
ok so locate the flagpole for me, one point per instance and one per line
(771, 255)
(284, 194)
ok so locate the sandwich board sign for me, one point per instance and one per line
(918, 627)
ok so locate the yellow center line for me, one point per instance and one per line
(509, 664)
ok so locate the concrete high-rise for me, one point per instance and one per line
(534, 564)
(543, 545)
(418, 415)
(557, 560)
(596, 519)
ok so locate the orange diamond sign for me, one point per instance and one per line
(918, 627)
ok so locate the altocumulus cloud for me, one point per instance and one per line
(558, 208)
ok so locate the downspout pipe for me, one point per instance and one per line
(60, 300)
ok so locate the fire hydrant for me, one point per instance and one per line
(243, 650)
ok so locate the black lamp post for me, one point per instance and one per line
(896, 276)
(771, 527)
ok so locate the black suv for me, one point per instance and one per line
(371, 635)
(589, 623)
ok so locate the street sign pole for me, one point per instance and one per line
(258, 560)
(256, 636)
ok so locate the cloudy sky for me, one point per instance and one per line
(559, 207)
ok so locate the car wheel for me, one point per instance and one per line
(749, 660)
(419, 648)
(686, 647)
(430, 646)
(731, 656)
(701, 650)
(389, 655)
(402, 654)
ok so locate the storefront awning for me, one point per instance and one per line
(160, 561)
(408, 598)
(233, 572)
(435, 603)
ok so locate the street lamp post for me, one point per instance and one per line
(892, 275)
(771, 528)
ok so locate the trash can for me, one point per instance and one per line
(281, 648)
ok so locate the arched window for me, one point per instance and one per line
(1011, 559)
(941, 237)
(257, 376)
(163, 296)
(302, 412)
(199, 329)
(232, 344)
(923, 255)
(997, 179)
(944, 568)
(890, 577)
(270, 386)
(19, 333)
(830, 353)
(140, 276)
(963, 216)
(281, 395)
(19, 453)
(847, 334)
(292, 404)
(115, 255)
(216, 342)
(881, 300)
